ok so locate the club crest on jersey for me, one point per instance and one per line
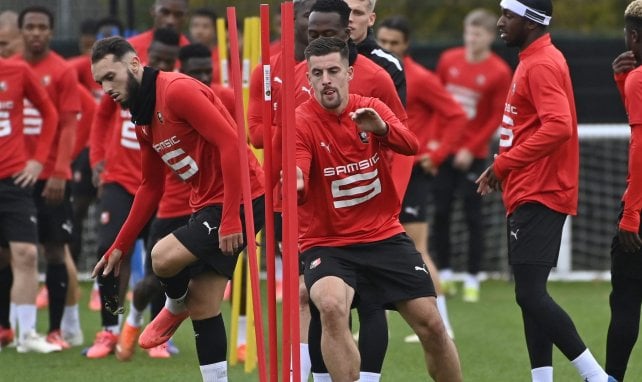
(315, 263)
(481, 79)
(160, 117)
(3, 86)
(46, 80)
(363, 136)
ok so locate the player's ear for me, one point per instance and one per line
(350, 73)
(135, 64)
(371, 19)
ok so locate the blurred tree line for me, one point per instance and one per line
(441, 20)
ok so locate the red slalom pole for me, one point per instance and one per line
(289, 190)
(269, 186)
(247, 193)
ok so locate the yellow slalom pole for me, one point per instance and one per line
(221, 35)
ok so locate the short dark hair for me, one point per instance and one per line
(205, 12)
(333, 6)
(35, 9)
(398, 23)
(166, 36)
(633, 15)
(115, 45)
(194, 51)
(323, 46)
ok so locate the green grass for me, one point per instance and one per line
(488, 336)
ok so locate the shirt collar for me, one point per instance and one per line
(536, 45)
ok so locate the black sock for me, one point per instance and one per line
(211, 340)
(373, 336)
(314, 341)
(176, 286)
(6, 280)
(57, 283)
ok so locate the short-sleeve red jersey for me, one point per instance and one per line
(17, 84)
(113, 141)
(349, 194)
(480, 88)
(142, 41)
(82, 64)
(60, 80)
(538, 150)
(632, 197)
(193, 134)
(433, 114)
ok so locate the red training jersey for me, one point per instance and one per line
(433, 114)
(193, 134)
(480, 88)
(538, 149)
(61, 82)
(17, 83)
(349, 194)
(141, 43)
(82, 64)
(632, 197)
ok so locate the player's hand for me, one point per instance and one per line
(623, 63)
(96, 173)
(463, 159)
(427, 165)
(488, 182)
(108, 263)
(29, 175)
(630, 241)
(230, 244)
(368, 120)
(54, 191)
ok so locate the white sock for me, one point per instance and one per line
(369, 377)
(241, 339)
(135, 317)
(13, 316)
(70, 320)
(176, 305)
(542, 374)
(26, 315)
(278, 268)
(114, 329)
(214, 372)
(471, 281)
(443, 311)
(446, 274)
(589, 368)
(321, 377)
(305, 363)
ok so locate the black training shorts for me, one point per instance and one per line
(534, 235)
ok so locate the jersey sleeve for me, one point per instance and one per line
(101, 129)
(633, 195)
(554, 112)
(398, 137)
(38, 96)
(146, 198)
(196, 108)
(385, 91)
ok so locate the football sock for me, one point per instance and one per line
(135, 317)
(216, 372)
(314, 342)
(542, 374)
(369, 377)
(176, 305)
(6, 280)
(589, 368)
(176, 286)
(321, 377)
(471, 281)
(443, 311)
(113, 329)
(26, 315)
(211, 340)
(13, 315)
(57, 283)
(70, 319)
(304, 357)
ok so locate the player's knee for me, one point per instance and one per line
(529, 299)
(24, 257)
(161, 262)
(334, 311)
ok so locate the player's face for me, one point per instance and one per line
(116, 77)
(202, 30)
(169, 14)
(199, 68)
(512, 28)
(162, 56)
(392, 40)
(36, 32)
(361, 18)
(301, 15)
(329, 76)
(477, 39)
(10, 42)
(325, 24)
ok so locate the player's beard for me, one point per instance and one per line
(331, 102)
(132, 90)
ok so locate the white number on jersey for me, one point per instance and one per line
(185, 168)
(32, 119)
(506, 134)
(128, 135)
(5, 124)
(346, 188)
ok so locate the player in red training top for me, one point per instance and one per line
(52, 192)
(478, 79)
(537, 170)
(431, 110)
(174, 115)
(116, 151)
(19, 171)
(344, 181)
(202, 30)
(626, 293)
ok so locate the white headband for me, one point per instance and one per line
(525, 11)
